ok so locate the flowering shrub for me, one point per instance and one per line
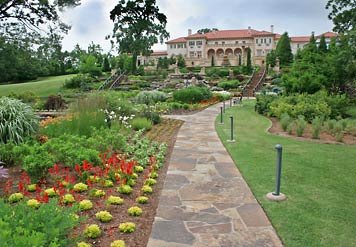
(103, 216)
(150, 181)
(118, 243)
(142, 199)
(127, 227)
(33, 203)
(124, 189)
(83, 244)
(139, 169)
(85, 205)
(146, 189)
(134, 211)
(51, 192)
(68, 198)
(92, 231)
(80, 187)
(16, 197)
(115, 200)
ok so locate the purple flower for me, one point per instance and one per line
(3, 172)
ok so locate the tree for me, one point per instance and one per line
(106, 64)
(89, 65)
(248, 63)
(239, 60)
(311, 46)
(181, 61)
(212, 61)
(271, 59)
(343, 14)
(138, 25)
(322, 44)
(284, 51)
(207, 30)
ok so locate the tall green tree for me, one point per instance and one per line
(138, 25)
(322, 44)
(106, 64)
(271, 59)
(248, 62)
(207, 30)
(284, 51)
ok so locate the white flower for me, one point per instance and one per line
(106, 120)
(112, 113)
(110, 117)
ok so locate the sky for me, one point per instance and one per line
(90, 21)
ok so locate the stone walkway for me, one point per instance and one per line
(205, 201)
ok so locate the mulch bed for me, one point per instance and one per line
(325, 137)
(163, 132)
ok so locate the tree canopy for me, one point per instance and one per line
(207, 30)
(138, 25)
(284, 51)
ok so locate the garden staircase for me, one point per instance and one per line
(255, 83)
(113, 81)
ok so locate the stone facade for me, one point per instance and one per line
(229, 47)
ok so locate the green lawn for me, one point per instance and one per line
(318, 179)
(41, 87)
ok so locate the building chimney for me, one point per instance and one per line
(272, 28)
(189, 32)
(249, 29)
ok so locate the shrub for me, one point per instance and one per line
(80, 187)
(146, 189)
(127, 227)
(16, 197)
(150, 181)
(142, 199)
(300, 125)
(285, 121)
(33, 203)
(103, 216)
(339, 131)
(263, 103)
(124, 189)
(54, 102)
(85, 205)
(134, 211)
(51, 192)
(152, 115)
(227, 85)
(17, 120)
(150, 97)
(97, 193)
(68, 199)
(50, 225)
(139, 168)
(141, 123)
(316, 127)
(83, 244)
(92, 231)
(78, 81)
(192, 95)
(118, 243)
(114, 200)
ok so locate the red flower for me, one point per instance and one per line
(77, 169)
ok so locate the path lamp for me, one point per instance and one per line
(221, 115)
(231, 129)
(230, 102)
(224, 105)
(277, 195)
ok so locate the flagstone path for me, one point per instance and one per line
(205, 201)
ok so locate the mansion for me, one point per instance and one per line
(226, 47)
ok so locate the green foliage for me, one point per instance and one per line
(17, 120)
(79, 81)
(248, 63)
(106, 65)
(263, 103)
(271, 58)
(300, 124)
(322, 44)
(138, 25)
(284, 51)
(92, 231)
(127, 227)
(192, 94)
(150, 97)
(285, 121)
(89, 65)
(49, 225)
(317, 123)
(227, 85)
(141, 123)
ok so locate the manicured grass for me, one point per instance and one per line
(41, 87)
(318, 179)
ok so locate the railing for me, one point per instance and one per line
(258, 85)
(118, 80)
(109, 80)
(249, 81)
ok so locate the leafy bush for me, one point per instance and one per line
(141, 123)
(263, 103)
(78, 81)
(226, 85)
(150, 97)
(300, 125)
(316, 127)
(285, 121)
(192, 94)
(49, 225)
(17, 120)
(26, 97)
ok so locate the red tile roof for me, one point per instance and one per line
(300, 39)
(159, 53)
(233, 34)
(178, 40)
(328, 35)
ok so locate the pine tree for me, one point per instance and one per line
(212, 61)
(312, 44)
(284, 51)
(249, 65)
(106, 64)
(322, 45)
